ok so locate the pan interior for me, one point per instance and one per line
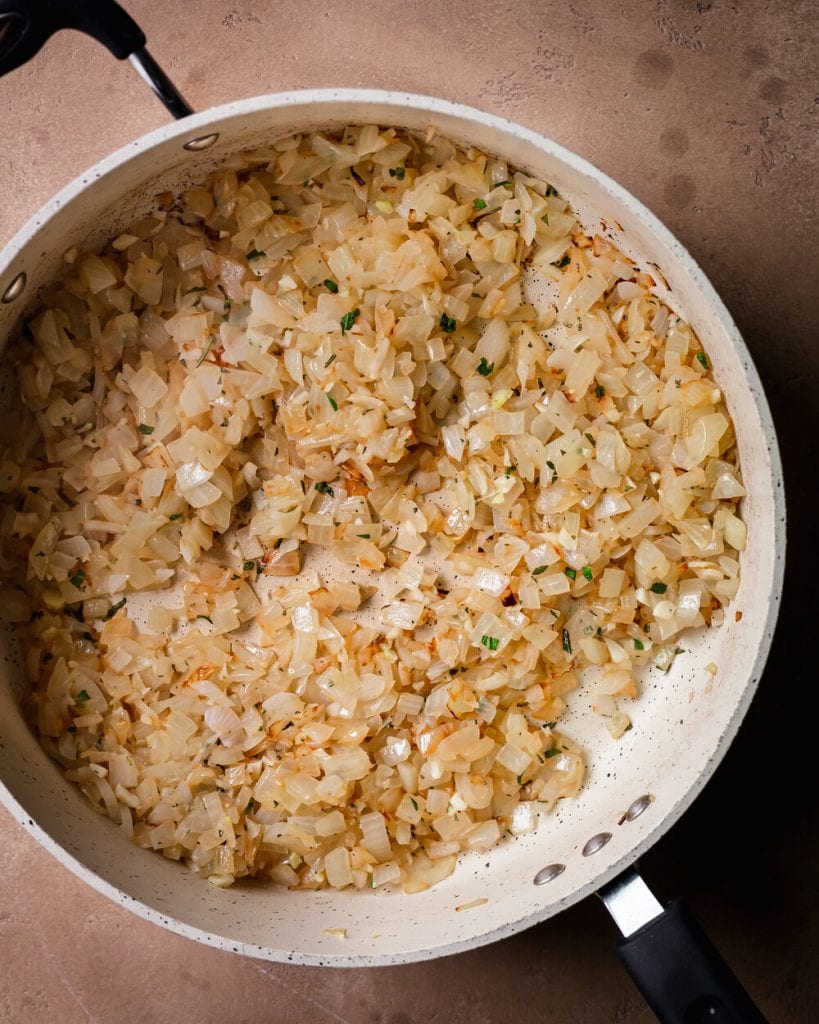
(682, 722)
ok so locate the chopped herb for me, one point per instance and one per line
(208, 347)
(247, 566)
(600, 391)
(349, 319)
(331, 285)
(78, 579)
(545, 218)
(330, 360)
(112, 611)
(227, 303)
(357, 176)
(520, 778)
(599, 633)
(254, 254)
(551, 191)
(639, 645)
(175, 516)
(586, 570)
(145, 429)
(484, 368)
(479, 204)
(414, 803)
(503, 184)
(333, 403)
(540, 569)
(647, 627)
(659, 588)
(703, 358)
(324, 488)
(398, 172)
(571, 573)
(363, 536)
(591, 440)
(551, 753)
(207, 618)
(82, 697)
(567, 643)
(563, 262)
(448, 323)
(490, 641)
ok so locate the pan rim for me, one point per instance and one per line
(467, 114)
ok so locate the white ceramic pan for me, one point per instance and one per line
(637, 787)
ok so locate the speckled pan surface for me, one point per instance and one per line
(683, 723)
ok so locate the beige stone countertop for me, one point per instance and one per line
(706, 112)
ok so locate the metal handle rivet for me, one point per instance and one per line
(596, 843)
(636, 808)
(15, 289)
(200, 143)
(549, 873)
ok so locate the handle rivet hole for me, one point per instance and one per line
(15, 289)
(636, 807)
(549, 873)
(201, 142)
(596, 843)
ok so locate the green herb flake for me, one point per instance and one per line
(398, 172)
(639, 645)
(504, 184)
(479, 204)
(703, 359)
(586, 570)
(248, 566)
(255, 254)
(600, 391)
(145, 429)
(227, 304)
(564, 262)
(208, 347)
(324, 488)
(331, 285)
(330, 360)
(571, 573)
(447, 323)
(484, 368)
(414, 803)
(659, 588)
(333, 403)
(545, 218)
(175, 516)
(551, 191)
(349, 319)
(567, 643)
(112, 611)
(540, 569)
(78, 579)
(551, 753)
(520, 778)
(591, 440)
(363, 536)
(82, 697)
(491, 642)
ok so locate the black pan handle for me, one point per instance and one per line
(26, 25)
(671, 960)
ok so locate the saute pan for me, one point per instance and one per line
(637, 787)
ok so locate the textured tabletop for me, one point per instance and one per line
(706, 112)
